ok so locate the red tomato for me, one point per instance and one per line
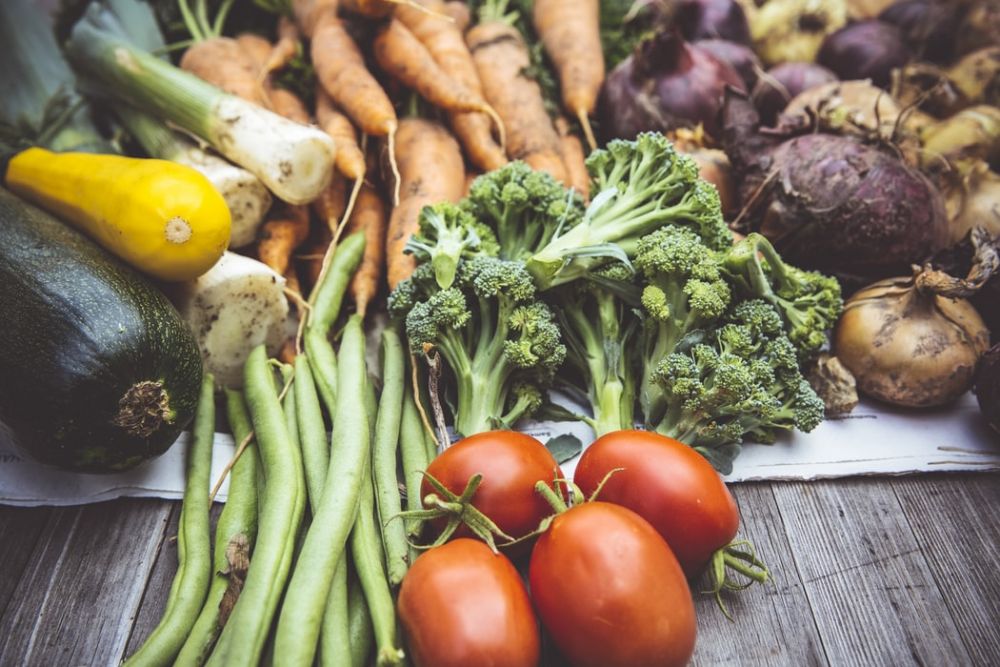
(610, 591)
(511, 463)
(460, 605)
(668, 484)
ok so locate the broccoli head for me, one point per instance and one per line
(524, 208)
(446, 234)
(809, 302)
(639, 186)
(741, 381)
(501, 344)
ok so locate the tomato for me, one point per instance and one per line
(610, 591)
(511, 463)
(670, 485)
(461, 604)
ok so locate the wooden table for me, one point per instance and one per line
(890, 571)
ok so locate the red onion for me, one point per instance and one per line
(929, 27)
(667, 83)
(741, 58)
(784, 83)
(714, 19)
(865, 50)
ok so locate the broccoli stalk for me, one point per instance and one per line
(500, 343)
(600, 331)
(809, 302)
(641, 186)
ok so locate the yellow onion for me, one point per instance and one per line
(915, 341)
(970, 135)
(793, 30)
(977, 75)
(971, 198)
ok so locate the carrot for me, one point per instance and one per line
(350, 160)
(281, 234)
(574, 158)
(446, 44)
(431, 170)
(378, 9)
(403, 56)
(341, 71)
(330, 205)
(222, 62)
(370, 215)
(459, 13)
(570, 32)
(501, 56)
(284, 49)
(283, 101)
(470, 177)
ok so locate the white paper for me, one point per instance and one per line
(872, 440)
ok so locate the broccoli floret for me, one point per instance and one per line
(524, 208)
(447, 233)
(809, 302)
(601, 332)
(741, 382)
(500, 343)
(683, 293)
(639, 187)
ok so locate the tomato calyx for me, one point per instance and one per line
(739, 556)
(459, 510)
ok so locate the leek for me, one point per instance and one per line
(247, 197)
(295, 161)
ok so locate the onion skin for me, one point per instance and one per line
(793, 30)
(865, 50)
(987, 387)
(664, 85)
(741, 58)
(784, 83)
(907, 347)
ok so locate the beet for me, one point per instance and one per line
(666, 84)
(784, 83)
(741, 58)
(714, 19)
(865, 50)
(832, 203)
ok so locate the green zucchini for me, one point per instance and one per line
(98, 372)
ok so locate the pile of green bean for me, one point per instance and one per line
(306, 560)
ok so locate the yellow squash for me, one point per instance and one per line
(163, 218)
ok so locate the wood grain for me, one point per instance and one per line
(956, 520)
(19, 532)
(868, 582)
(78, 595)
(772, 624)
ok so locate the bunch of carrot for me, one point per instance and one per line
(467, 64)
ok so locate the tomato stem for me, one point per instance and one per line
(551, 497)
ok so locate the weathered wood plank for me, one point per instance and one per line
(20, 528)
(956, 519)
(773, 623)
(161, 577)
(872, 596)
(79, 594)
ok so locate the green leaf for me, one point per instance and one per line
(564, 447)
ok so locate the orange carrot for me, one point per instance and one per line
(403, 56)
(341, 71)
(350, 160)
(284, 49)
(222, 62)
(574, 158)
(431, 170)
(369, 215)
(570, 32)
(446, 44)
(459, 13)
(331, 204)
(284, 230)
(469, 178)
(501, 57)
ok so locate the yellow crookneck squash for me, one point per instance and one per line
(163, 218)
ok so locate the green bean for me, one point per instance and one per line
(413, 450)
(360, 632)
(312, 432)
(388, 503)
(335, 633)
(194, 550)
(366, 550)
(298, 625)
(326, 301)
(236, 529)
(282, 505)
